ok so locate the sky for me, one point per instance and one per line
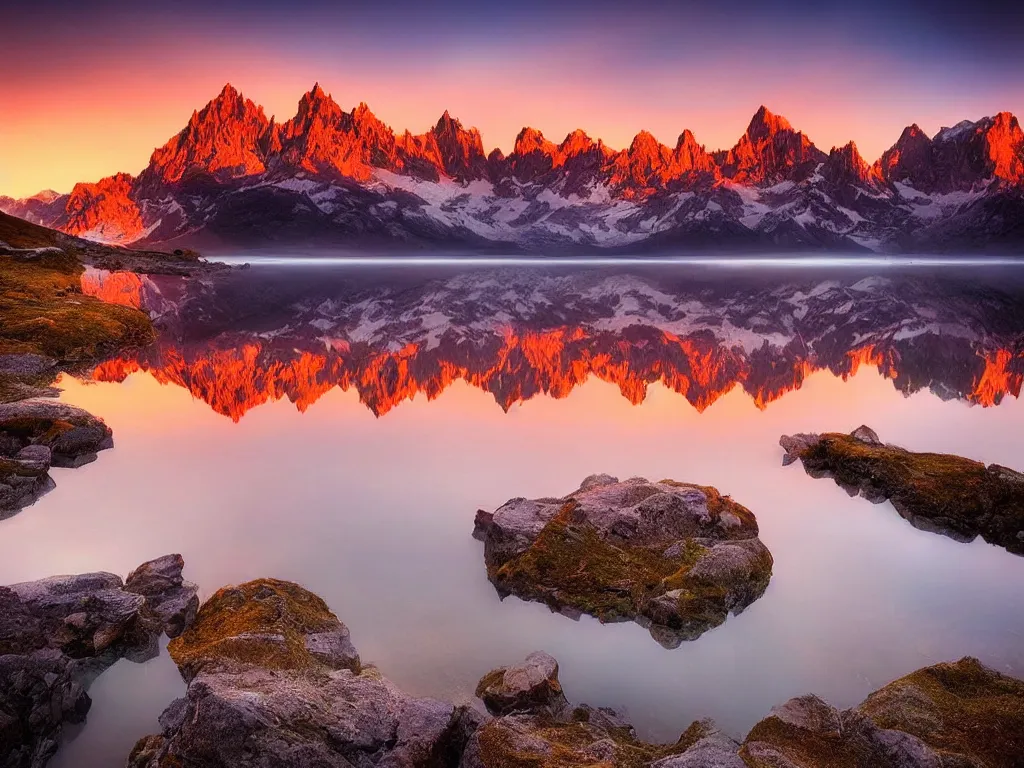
(90, 89)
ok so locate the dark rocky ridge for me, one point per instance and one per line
(956, 497)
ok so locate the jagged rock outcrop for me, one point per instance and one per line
(106, 211)
(273, 679)
(770, 151)
(674, 557)
(229, 138)
(36, 434)
(957, 497)
(58, 634)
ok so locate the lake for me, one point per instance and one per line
(339, 426)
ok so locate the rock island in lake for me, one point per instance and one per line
(676, 558)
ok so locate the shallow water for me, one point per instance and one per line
(375, 514)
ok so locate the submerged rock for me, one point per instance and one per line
(56, 635)
(951, 714)
(273, 679)
(941, 493)
(674, 557)
(39, 433)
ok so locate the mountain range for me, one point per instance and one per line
(240, 339)
(234, 177)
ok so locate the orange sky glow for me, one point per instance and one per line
(75, 118)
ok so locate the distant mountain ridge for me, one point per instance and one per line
(232, 175)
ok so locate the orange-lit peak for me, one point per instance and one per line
(577, 143)
(765, 123)
(532, 140)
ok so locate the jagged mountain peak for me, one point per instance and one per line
(221, 140)
(531, 140)
(342, 166)
(845, 165)
(765, 123)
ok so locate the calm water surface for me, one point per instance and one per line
(374, 513)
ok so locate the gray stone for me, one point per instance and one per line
(866, 434)
(56, 635)
(528, 687)
(169, 598)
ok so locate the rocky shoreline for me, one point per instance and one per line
(58, 634)
(274, 679)
(674, 557)
(950, 495)
(37, 434)
(48, 326)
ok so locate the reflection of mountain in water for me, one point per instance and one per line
(258, 335)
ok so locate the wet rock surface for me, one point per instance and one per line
(941, 493)
(676, 558)
(56, 635)
(273, 679)
(37, 434)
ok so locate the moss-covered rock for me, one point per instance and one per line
(674, 557)
(952, 714)
(43, 312)
(268, 623)
(530, 686)
(535, 734)
(957, 497)
(273, 680)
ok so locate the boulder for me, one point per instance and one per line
(36, 434)
(530, 686)
(56, 635)
(940, 493)
(676, 558)
(535, 726)
(171, 600)
(273, 679)
(961, 714)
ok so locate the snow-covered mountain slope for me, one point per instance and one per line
(328, 176)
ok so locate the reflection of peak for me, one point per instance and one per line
(551, 335)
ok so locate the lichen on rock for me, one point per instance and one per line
(941, 493)
(949, 714)
(676, 558)
(273, 679)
